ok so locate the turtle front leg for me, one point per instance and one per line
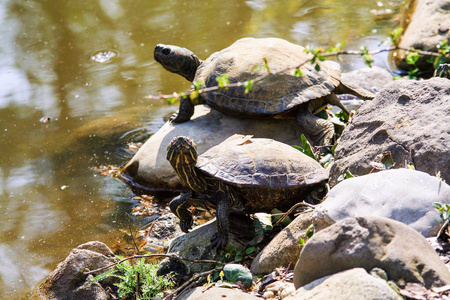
(320, 131)
(185, 111)
(179, 206)
(220, 239)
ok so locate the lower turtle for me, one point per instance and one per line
(242, 174)
(285, 83)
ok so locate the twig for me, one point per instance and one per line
(173, 256)
(284, 215)
(191, 280)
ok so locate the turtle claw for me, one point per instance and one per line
(186, 224)
(219, 241)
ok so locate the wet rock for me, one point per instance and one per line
(196, 244)
(371, 242)
(98, 247)
(351, 284)
(425, 35)
(403, 195)
(149, 167)
(284, 248)
(406, 118)
(200, 293)
(89, 290)
(68, 275)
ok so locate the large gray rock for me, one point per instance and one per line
(200, 293)
(284, 248)
(409, 119)
(149, 167)
(371, 242)
(429, 25)
(351, 284)
(68, 280)
(403, 195)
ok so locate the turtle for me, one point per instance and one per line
(242, 174)
(443, 70)
(281, 93)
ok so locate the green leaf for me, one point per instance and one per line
(223, 81)
(266, 65)
(317, 67)
(298, 72)
(394, 35)
(307, 148)
(248, 85)
(287, 220)
(301, 242)
(249, 250)
(237, 272)
(310, 231)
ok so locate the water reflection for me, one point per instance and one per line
(50, 198)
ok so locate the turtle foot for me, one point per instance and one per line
(219, 241)
(186, 222)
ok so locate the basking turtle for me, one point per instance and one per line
(241, 174)
(443, 71)
(281, 93)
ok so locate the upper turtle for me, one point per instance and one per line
(278, 92)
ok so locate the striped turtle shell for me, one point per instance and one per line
(276, 93)
(265, 172)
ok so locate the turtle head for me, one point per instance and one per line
(182, 151)
(443, 71)
(177, 60)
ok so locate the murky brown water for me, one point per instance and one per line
(50, 199)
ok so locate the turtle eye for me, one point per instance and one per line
(166, 51)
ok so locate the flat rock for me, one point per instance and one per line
(196, 244)
(407, 118)
(200, 293)
(283, 250)
(403, 195)
(371, 242)
(424, 35)
(351, 284)
(150, 168)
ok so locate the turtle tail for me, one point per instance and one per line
(345, 88)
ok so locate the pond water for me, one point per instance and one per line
(74, 75)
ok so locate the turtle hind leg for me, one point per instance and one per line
(179, 206)
(185, 111)
(319, 131)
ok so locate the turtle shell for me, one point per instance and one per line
(276, 93)
(265, 172)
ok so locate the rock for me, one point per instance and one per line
(372, 79)
(371, 242)
(403, 195)
(284, 248)
(424, 35)
(351, 284)
(68, 275)
(406, 118)
(196, 244)
(89, 290)
(200, 293)
(149, 166)
(98, 247)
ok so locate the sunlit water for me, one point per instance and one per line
(86, 66)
